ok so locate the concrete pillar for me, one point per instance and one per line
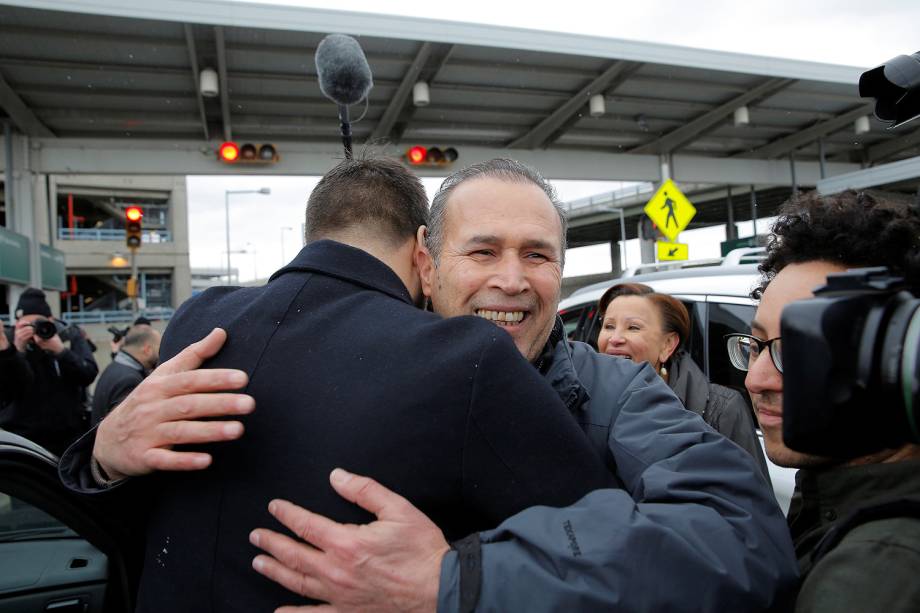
(23, 209)
(646, 240)
(616, 261)
(731, 230)
(754, 211)
(178, 211)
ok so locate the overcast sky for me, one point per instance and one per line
(840, 32)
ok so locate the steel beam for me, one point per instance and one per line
(398, 101)
(196, 79)
(224, 82)
(707, 121)
(437, 59)
(192, 157)
(540, 133)
(20, 113)
(782, 146)
(896, 145)
(304, 19)
(872, 177)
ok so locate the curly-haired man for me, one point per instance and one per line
(873, 565)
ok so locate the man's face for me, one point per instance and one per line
(763, 381)
(501, 260)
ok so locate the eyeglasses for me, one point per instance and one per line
(744, 349)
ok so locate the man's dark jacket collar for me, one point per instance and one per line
(349, 264)
(557, 366)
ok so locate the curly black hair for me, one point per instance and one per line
(855, 229)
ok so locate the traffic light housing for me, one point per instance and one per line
(420, 156)
(247, 153)
(895, 85)
(133, 217)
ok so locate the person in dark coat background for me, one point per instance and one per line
(135, 359)
(646, 326)
(42, 380)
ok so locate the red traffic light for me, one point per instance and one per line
(134, 213)
(248, 153)
(229, 152)
(433, 156)
(417, 154)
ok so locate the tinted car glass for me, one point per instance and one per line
(21, 521)
(571, 318)
(726, 319)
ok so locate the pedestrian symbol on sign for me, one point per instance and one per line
(670, 210)
(669, 203)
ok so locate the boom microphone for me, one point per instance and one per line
(344, 77)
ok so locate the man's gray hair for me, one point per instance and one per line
(499, 168)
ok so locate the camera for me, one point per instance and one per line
(46, 329)
(117, 333)
(851, 371)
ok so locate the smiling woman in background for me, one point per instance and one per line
(645, 326)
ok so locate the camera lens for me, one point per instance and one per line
(44, 329)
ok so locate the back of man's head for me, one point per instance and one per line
(377, 199)
(140, 335)
(852, 229)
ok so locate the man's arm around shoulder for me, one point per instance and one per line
(696, 529)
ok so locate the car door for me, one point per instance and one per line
(59, 552)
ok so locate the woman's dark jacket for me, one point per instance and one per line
(721, 407)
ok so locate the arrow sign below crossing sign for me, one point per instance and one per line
(672, 251)
(670, 210)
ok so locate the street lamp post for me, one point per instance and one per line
(264, 191)
(283, 228)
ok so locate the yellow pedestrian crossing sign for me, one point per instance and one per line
(672, 251)
(670, 210)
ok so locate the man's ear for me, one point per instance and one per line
(423, 261)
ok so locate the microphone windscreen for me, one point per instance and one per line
(342, 69)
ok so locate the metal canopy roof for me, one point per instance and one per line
(128, 70)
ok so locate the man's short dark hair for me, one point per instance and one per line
(376, 195)
(138, 336)
(853, 229)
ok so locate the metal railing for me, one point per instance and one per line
(610, 199)
(114, 317)
(108, 317)
(111, 234)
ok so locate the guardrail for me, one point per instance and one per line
(111, 234)
(108, 317)
(113, 317)
(609, 199)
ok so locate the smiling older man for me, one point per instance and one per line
(692, 514)
(692, 528)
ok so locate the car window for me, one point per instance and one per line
(726, 319)
(20, 521)
(695, 345)
(570, 320)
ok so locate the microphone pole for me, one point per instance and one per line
(345, 126)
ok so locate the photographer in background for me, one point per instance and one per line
(854, 521)
(138, 355)
(118, 335)
(42, 381)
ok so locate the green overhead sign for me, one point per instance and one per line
(54, 276)
(14, 257)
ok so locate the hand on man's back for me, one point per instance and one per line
(167, 408)
(390, 565)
